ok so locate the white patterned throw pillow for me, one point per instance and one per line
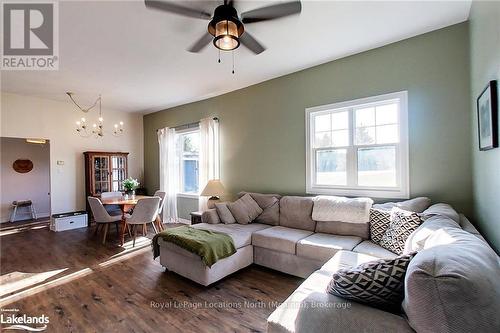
(403, 223)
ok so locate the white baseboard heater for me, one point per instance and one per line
(68, 221)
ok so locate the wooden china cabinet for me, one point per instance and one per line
(104, 172)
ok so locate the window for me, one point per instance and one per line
(188, 142)
(359, 148)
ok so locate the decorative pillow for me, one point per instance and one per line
(377, 283)
(379, 222)
(270, 204)
(403, 223)
(245, 209)
(224, 213)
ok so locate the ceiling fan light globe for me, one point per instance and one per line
(226, 33)
(226, 42)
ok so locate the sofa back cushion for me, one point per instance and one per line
(442, 209)
(416, 240)
(296, 212)
(417, 205)
(452, 285)
(270, 205)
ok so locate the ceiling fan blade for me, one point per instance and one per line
(201, 43)
(271, 12)
(171, 7)
(249, 41)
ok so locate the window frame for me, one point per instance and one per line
(180, 152)
(401, 191)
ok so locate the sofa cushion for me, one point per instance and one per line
(403, 223)
(324, 246)
(344, 228)
(240, 233)
(441, 209)
(345, 260)
(295, 212)
(417, 205)
(370, 248)
(279, 238)
(270, 204)
(245, 209)
(469, 227)
(311, 309)
(452, 285)
(417, 238)
(378, 283)
(224, 213)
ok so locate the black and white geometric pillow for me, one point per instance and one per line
(403, 223)
(379, 222)
(378, 283)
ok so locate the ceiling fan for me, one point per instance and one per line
(226, 28)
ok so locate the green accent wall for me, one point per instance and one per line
(263, 126)
(485, 66)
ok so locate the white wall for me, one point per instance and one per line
(26, 117)
(33, 185)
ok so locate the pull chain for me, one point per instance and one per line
(219, 56)
(233, 60)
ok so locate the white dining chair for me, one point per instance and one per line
(112, 209)
(160, 209)
(145, 211)
(101, 216)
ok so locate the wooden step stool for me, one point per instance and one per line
(22, 203)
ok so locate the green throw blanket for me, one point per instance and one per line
(211, 246)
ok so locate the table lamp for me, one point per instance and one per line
(214, 189)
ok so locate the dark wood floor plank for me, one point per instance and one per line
(106, 288)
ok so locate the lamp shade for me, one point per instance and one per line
(214, 188)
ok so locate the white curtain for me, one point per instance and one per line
(169, 173)
(209, 156)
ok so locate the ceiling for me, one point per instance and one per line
(137, 59)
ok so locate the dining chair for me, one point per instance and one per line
(145, 211)
(160, 209)
(112, 209)
(102, 217)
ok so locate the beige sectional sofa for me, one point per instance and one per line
(287, 239)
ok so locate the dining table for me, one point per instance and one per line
(127, 203)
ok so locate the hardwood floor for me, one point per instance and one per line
(84, 286)
(24, 223)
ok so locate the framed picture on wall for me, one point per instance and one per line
(487, 114)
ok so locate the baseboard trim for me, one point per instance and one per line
(5, 219)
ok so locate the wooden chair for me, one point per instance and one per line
(159, 219)
(145, 211)
(102, 218)
(112, 209)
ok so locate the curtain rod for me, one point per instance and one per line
(189, 125)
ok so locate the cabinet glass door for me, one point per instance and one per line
(101, 174)
(119, 172)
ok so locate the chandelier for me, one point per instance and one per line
(97, 128)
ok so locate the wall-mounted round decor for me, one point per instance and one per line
(22, 166)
